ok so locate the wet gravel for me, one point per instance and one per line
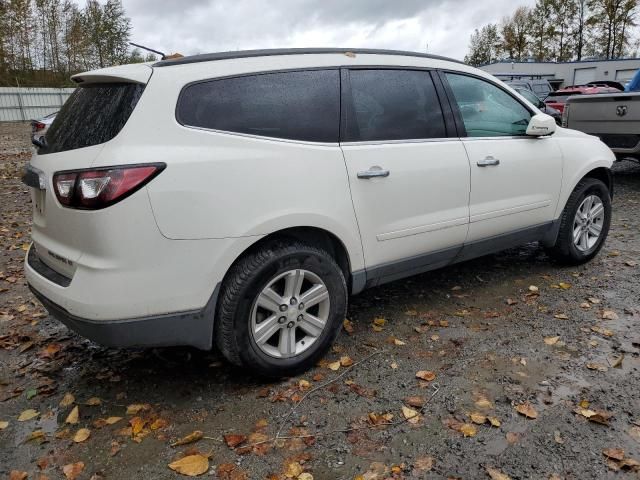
(478, 326)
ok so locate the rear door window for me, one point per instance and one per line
(393, 105)
(93, 114)
(297, 105)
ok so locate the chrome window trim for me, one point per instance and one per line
(396, 142)
(262, 137)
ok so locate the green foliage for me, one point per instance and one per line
(558, 30)
(44, 42)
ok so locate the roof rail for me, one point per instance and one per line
(208, 57)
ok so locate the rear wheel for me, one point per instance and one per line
(584, 224)
(281, 308)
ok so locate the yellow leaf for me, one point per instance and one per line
(533, 289)
(562, 316)
(379, 322)
(426, 375)
(29, 414)
(35, 435)
(3, 425)
(398, 342)
(334, 365)
(494, 421)
(527, 410)
(411, 415)
(305, 476)
(564, 286)
(346, 361)
(192, 437)
(483, 402)
(304, 384)
(477, 418)
(293, 470)
(551, 340)
(191, 465)
(496, 474)
(394, 365)
(348, 326)
(94, 401)
(609, 315)
(468, 430)
(597, 366)
(112, 420)
(67, 400)
(135, 408)
(73, 416)
(81, 435)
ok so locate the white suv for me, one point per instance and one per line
(240, 198)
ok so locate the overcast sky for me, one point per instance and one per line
(197, 26)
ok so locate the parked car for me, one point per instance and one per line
(614, 117)
(548, 109)
(540, 87)
(39, 127)
(241, 197)
(558, 98)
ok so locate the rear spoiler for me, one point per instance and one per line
(132, 73)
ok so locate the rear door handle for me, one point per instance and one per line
(488, 162)
(373, 172)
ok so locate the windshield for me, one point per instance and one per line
(92, 115)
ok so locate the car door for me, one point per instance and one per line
(515, 178)
(409, 178)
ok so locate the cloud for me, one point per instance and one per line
(196, 26)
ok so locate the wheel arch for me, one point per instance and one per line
(604, 175)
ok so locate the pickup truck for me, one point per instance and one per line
(614, 117)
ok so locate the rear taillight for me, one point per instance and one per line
(37, 126)
(101, 187)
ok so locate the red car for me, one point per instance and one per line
(558, 98)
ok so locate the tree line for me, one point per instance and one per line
(44, 42)
(558, 30)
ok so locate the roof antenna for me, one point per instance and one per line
(163, 55)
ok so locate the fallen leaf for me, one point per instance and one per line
(304, 384)
(483, 402)
(597, 416)
(191, 465)
(468, 430)
(533, 289)
(557, 437)
(411, 415)
(17, 475)
(3, 425)
(158, 423)
(112, 420)
(617, 362)
(72, 470)
(564, 286)
(293, 470)
(35, 435)
(594, 300)
(614, 453)
(634, 432)
(426, 375)
(494, 421)
(191, 438)
(478, 418)
(562, 316)
(233, 440)
(609, 315)
(136, 408)
(67, 400)
(415, 401)
(527, 410)
(597, 366)
(334, 365)
(81, 435)
(379, 322)
(512, 437)
(348, 326)
(93, 402)
(551, 340)
(496, 474)
(398, 342)
(73, 416)
(346, 361)
(29, 414)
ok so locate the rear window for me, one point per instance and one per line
(297, 105)
(92, 115)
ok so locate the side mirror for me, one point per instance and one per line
(541, 125)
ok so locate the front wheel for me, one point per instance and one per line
(281, 308)
(584, 223)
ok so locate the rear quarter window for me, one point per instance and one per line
(296, 105)
(92, 115)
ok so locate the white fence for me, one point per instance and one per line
(23, 104)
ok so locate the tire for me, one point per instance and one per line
(566, 250)
(240, 333)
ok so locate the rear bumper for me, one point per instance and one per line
(192, 328)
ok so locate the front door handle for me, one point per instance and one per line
(373, 172)
(488, 162)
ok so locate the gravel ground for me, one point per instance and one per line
(496, 341)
